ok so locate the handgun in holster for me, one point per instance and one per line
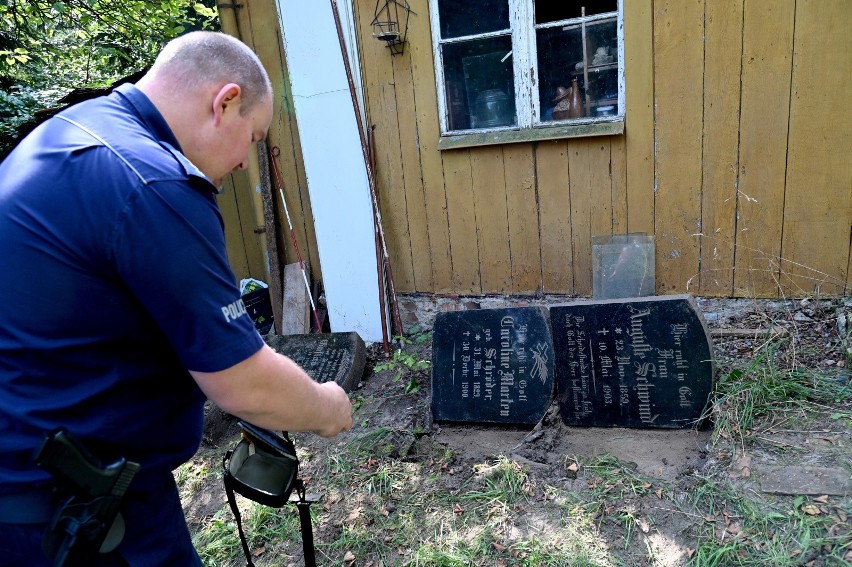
(87, 520)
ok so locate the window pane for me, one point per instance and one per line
(563, 63)
(479, 83)
(549, 11)
(459, 19)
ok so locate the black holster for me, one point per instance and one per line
(88, 495)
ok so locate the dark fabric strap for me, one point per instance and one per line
(304, 507)
(232, 502)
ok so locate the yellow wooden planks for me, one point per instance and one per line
(722, 69)
(591, 203)
(579, 173)
(234, 244)
(522, 212)
(380, 99)
(431, 166)
(391, 185)
(639, 120)
(259, 22)
(678, 66)
(764, 114)
(461, 216)
(557, 263)
(602, 212)
(733, 156)
(492, 228)
(244, 194)
(618, 191)
(818, 197)
(415, 199)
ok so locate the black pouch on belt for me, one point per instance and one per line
(263, 468)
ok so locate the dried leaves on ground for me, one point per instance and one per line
(401, 490)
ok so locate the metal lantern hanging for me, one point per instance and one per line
(390, 24)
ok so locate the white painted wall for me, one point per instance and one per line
(334, 165)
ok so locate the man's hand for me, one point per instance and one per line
(271, 391)
(340, 410)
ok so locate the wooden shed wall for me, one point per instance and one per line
(256, 23)
(735, 156)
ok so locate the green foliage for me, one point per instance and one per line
(89, 42)
(407, 361)
(747, 530)
(745, 395)
(17, 106)
(403, 496)
(504, 480)
(48, 48)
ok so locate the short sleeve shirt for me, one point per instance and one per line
(114, 282)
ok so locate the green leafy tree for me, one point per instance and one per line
(50, 48)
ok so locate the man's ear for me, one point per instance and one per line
(227, 99)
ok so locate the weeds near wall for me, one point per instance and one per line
(393, 496)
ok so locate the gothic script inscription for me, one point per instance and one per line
(328, 357)
(642, 362)
(492, 365)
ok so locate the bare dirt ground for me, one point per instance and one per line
(648, 511)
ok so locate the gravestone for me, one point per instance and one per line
(492, 365)
(338, 357)
(642, 362)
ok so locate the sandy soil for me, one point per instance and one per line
(667, 457)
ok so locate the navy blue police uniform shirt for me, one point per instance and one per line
(114, 280)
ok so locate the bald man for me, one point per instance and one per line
(120, 314)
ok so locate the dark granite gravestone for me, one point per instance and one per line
(643, 362)
(338, 357)
(492, 365)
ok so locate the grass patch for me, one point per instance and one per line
(754, 532)
(405, 362)
(394, 497)
(194, 475)
(745, 395)
(218, 541)
(741, 525)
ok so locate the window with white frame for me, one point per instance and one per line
(527, 64)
